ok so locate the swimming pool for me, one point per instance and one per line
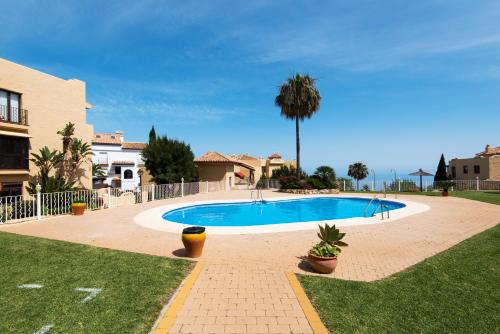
(275, 212)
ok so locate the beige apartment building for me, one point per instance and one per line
(33, 107)
(238, 170)
(484, 166)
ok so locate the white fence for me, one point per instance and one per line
(409, 185)
(42, 205)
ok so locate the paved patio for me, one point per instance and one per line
(243, 288)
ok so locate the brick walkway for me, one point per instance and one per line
(241, 298)
(243, 288)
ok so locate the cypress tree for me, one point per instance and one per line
(441, 170)
(152, 134)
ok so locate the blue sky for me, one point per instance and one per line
(401, 81)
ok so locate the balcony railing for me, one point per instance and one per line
(13, 115)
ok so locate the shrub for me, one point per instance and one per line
(316, 183)
(293, 182)
(290, 182)
(348, 184)
(326, 175)
(285, 171)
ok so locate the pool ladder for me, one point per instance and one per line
(258, 196)
(380, 205)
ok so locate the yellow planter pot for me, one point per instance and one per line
(193, 239)
(78, 208)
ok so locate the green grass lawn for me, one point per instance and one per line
(456, 291)
(488, 196)
(134, 287)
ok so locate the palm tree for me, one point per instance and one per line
(326, 174)
(358, 171)
(298, 99)
(79, 151)
(97, 170)
(67, 133)
(46, 160)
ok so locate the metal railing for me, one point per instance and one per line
(409, 185)
(42, 205)
(13, 115)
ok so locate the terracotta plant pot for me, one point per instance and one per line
(322, 265)
(193, 239)
(445, 193)
(78, 208)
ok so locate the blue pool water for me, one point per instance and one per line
(275, 212)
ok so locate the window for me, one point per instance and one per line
(477, 169)
(98, 136)
(9, 106)
(454, 172)
(128, 174)
(466, 169)
(14, 152)
(11, 189)
(118, 170)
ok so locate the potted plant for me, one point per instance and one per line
(446, 185)
(78, 207)
(323, 255)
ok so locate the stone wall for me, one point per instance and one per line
(310, 191)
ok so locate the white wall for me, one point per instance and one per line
(111, 153)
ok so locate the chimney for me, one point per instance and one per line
(120, 134)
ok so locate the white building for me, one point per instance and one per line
(119, 160)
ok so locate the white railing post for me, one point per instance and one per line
(109, 197)
(152, 192)
(206, 184)
(182, 187)
(477, 183)
(38, 201)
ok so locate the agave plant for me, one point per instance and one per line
(331, 239)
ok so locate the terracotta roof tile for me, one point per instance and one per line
(489, 151)
(275, 156)
(123, 162)
(214, 157)
(107, 138)
(133, 146)
(245, 157)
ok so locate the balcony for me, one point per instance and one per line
(13, 115)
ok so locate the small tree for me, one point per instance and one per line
(326, 175)
(283, 171)
(169, 160)
(152, 135)
(97, 170)
(441, 174)
(358, 171)
(47, 160)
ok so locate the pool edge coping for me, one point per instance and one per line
(153, 218)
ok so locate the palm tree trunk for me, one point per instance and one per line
(297, 139)
(357, 184)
